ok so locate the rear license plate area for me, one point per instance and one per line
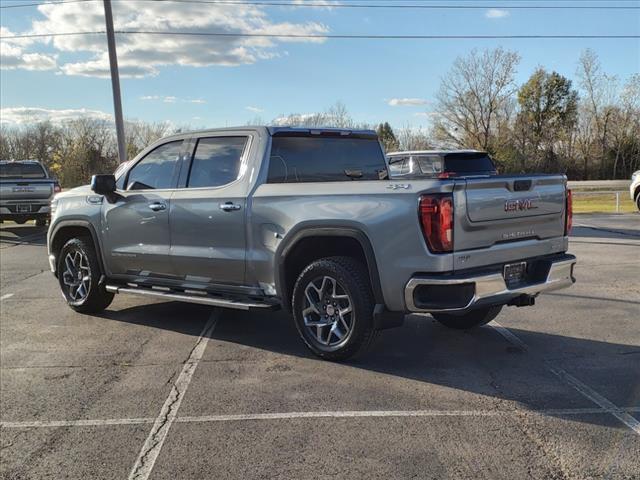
(514, 273)
(24, 208)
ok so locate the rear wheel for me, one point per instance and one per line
(79, 275)
(20, 220)
(41, 222)
(333, 307)
(638, 201)
(474, 318)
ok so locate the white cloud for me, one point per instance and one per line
(328, 4)
(26, 115)
(496, 13)
(172, 99)
(294, 119)
(13, 56)
(254, 109)
(406, 102)
(143, 55)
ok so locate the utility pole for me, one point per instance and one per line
(115, 81)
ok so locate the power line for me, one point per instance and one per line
(318, 4)
(327, 36)
(53, 2)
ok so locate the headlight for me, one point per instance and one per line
(54, 205)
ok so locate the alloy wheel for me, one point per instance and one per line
(327, 311)
(77, 275)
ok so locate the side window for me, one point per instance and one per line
(157, 170)
(398, 165)
(216, 161)
(430, 164)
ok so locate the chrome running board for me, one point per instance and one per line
(202, 298)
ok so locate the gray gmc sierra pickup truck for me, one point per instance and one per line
(267, 217)
(26, 189)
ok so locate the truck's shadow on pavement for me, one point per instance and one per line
(14, 234)
(597, 232)
(480, 361)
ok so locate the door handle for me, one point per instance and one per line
(157, 206)
(229, 207)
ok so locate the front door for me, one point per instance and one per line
(136, 225)
(208, 215)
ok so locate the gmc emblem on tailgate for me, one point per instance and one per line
(521, 204)
(24, 189)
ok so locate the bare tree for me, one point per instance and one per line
(336, 116)
(473, 96)
(414, 139)
(625, 128)
(599, 90)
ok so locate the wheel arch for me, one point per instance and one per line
(292, 256)
(65, 230)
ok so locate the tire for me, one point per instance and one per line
(474, 318)
(638, 202)
(20, 220)
(79, 274)
(333, 308)
(41, 222)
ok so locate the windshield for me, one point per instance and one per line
(22, 170)
(440, 164)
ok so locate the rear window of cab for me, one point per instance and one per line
(298, 159)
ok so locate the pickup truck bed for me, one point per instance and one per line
(307, 220)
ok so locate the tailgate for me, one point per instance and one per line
(26, 190)
(506, 209)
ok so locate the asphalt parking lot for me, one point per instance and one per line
(169, 390)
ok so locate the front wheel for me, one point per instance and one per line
(333, 307)
(79, 275)
(474, 318)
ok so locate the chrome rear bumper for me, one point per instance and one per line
(490, 289)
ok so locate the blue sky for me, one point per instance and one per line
(217, 83)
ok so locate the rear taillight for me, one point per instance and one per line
(56, 188)
(436, 218)
(568, 221)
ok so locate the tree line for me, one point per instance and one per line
(588, 130)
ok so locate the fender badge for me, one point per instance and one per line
(396, 186)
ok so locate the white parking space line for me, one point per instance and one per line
(169, 411)
(311, 415)
(385, 413)
(598, 399)
(78, 423)
(6, 296)
(586, 391)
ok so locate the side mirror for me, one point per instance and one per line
(103, 184)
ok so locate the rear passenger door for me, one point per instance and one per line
(208, 213)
